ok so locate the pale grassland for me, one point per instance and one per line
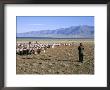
(55, 40)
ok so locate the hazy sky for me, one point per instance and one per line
(35, 23)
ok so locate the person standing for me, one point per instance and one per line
(81, 52)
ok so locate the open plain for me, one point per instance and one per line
(58, 60)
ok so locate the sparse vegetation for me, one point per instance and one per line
(58, 60)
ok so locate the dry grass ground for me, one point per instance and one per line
(58, 60)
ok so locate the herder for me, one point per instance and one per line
(81, 52)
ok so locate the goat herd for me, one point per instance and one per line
(36, 48)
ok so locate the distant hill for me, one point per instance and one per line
(70, 32)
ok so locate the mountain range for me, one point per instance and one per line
(82, 31)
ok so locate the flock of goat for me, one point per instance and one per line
(36, 48)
